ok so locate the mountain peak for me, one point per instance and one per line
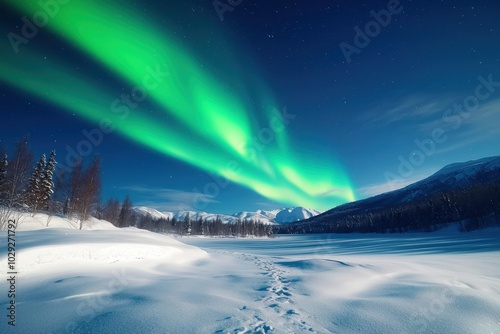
(452, 179)
(278, 216)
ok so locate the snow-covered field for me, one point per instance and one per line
(107, 280)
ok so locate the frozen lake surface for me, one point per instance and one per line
(342, 244)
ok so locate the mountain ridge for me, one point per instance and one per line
(277, 216)
(443, 193)
(443, 175)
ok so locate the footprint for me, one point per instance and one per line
(282, 293)
(277, 293)
(283, 300)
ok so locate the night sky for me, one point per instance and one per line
(254, 105)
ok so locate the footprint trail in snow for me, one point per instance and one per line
(281, 314)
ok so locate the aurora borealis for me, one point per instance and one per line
(210, 126)
(258, 109)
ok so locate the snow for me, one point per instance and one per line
(470, 167)
(108, 280)
(35, 221)
(462, 172)
(295, 214)
(151, 212)
(263, 216)
(180, 215)
(278, 216)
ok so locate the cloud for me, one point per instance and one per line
(421, 115)
(166, 207)
(415, 109)
(480, 126)
(167, 199)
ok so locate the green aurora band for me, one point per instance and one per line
(209, 127)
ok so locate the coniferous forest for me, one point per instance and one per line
(31, 186)
(472, 208)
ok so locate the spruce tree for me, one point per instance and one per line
(201, 224)
(112, 211)
(66, 207)
(3, 168)
(124, 219)
(34, 194)
(3, 178)
(269, 230)
(47, 184)
(187, 225)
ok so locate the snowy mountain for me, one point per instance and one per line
(278, 216)
(462, 182)
(454, 176)
(180, 215)
(450, 177)
(295, 214)
(143, 210)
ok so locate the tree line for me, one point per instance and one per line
(473, 207)
(75, 193)
(26, 186)
(204, 227)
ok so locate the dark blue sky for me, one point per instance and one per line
(376, 113)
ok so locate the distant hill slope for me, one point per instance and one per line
(460, 191)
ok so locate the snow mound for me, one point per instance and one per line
(36, 221)
(63, 245)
